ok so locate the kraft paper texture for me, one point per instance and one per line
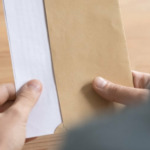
(86, 40)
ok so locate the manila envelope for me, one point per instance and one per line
(86, 41)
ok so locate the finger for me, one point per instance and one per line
(26, 99)
(6, 105)
(141, 80)
(7, 92)
(117, 93)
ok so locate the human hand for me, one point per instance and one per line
(13, 120)
(125, 95)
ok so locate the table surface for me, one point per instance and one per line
(135, 16)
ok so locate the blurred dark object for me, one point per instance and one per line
(129, 130)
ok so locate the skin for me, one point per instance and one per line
(13, 119)
(13, 116)
(125, 95)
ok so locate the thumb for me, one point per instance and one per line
(26, 99)
(118, 93)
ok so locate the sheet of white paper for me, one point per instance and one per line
(31, 59)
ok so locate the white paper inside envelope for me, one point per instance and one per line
(31, 59)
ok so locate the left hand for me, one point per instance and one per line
(13, 120)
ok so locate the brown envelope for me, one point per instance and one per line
(87, 40)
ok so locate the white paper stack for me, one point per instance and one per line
(31, 59)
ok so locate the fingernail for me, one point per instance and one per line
(100, 82)
(35, 85)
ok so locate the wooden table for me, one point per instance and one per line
(136, 21)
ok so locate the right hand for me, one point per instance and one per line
(125, 95)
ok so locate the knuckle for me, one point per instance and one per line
(113, 92)
(26, 95)
(15, 111)
(28, 98)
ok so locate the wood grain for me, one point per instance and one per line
(136, 21)
(6, 74)
(135, 15)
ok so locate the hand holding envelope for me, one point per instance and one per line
(86, 40)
